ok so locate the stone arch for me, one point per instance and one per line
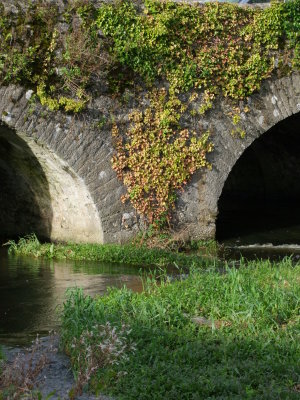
(83, 151)
(40, 192)
(278, 99)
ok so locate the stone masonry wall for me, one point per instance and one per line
(86, 149)
(75, 154)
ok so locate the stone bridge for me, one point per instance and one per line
(57, 180)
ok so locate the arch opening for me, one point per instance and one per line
(260, 201)
(25, 203)
(41, 194)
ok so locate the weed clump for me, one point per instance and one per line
(20, 378)
(97, 348)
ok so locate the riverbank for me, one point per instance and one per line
(39, 372)
(132, 254)
(210, 334)
(231, 336)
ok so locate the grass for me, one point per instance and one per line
(246, 346)
(126, 254)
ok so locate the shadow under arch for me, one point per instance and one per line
(25, 202)
(40, 193)
(260, 200)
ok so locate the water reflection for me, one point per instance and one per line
(32, 289)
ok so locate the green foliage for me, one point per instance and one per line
(58, 66)
(221, 48)
(125, 254)
(158, 157)
(25, 40)
(248, 350)
(291, 25)
(210, 49)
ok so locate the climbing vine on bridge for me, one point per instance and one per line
(159, 157)
(209, 50)
(204, 51)
(219, 48)
(59, 55)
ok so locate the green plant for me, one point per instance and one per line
(246, 347)
(208, 50)
(29, 244)
(59, 67)
(132, 254)
(221, 48)
(98, 348)
(213, 49)
(157, 158)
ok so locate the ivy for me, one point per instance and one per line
(60, 66)
(291, 26)
(24, 44)
(213, 49)
(207, 50)
(156, 158)
(222, 48)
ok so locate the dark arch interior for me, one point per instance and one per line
(260, 201)
(25, 205)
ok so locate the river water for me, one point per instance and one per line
(32, 291)
(272, 242)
